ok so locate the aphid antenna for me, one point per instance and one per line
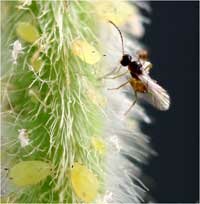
(122, 40)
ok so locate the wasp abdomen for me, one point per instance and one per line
(138, 85)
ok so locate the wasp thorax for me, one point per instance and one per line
(135, 67)
(126, 60)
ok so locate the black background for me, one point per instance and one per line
(173, 41)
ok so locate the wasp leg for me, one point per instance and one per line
(114, 71)
(134, 102)
(119, 75)
(120, 85)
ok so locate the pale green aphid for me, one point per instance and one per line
(29, 172)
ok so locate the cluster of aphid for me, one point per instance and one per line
(28, 173)
(140, 80)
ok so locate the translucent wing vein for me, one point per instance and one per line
(157, 96)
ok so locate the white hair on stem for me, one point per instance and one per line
(123, 135)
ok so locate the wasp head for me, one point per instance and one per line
(126, 60)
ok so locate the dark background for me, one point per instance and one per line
(173, 41)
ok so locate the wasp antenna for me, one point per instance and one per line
(120, 35)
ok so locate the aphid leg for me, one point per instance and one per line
(131, 106)
(119, 75)
(120, 85)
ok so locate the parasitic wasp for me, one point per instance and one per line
(140, 80)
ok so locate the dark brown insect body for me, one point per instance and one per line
(135, 69)
(140, 80)
(133, 66)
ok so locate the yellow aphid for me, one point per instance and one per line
(84, 183)
(99, 145)
(36, 62)
(85, 51)
(27, 32)
(114, 10)
(29, 172)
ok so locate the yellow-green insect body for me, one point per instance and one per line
(84, 183)
(27, 173)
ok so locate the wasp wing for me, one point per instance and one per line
(146, 67)
(157, 96)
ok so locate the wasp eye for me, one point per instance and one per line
(126, 60)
